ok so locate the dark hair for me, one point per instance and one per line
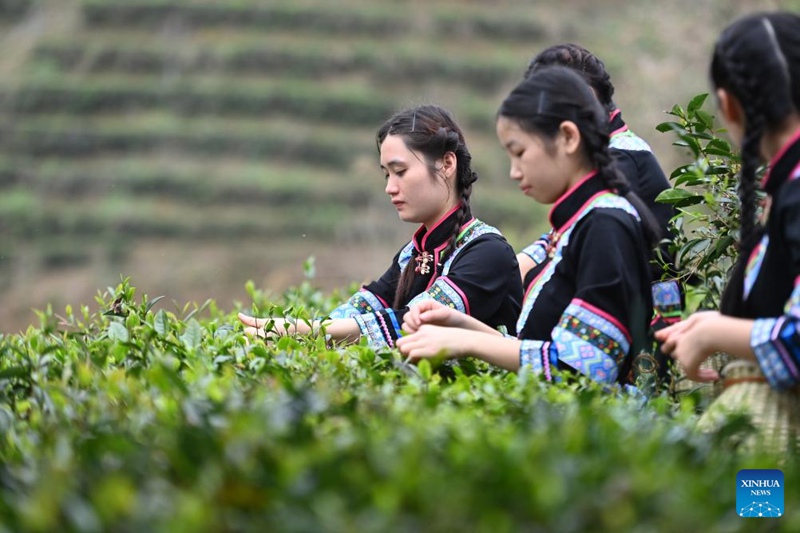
(757, 60)
(583, 61)
(431, 131)
(552, 95)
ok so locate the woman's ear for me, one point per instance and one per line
(449, 164)
(732, 114)
(730, 108)
(570, 137)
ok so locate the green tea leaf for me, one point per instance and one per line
(193, 335)
(118, 332)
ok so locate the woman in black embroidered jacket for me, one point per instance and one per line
(755, 71)
(453, 258)
(638, 164)
(588, 304)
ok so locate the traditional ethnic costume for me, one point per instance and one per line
(635, 160)
(770, 390)
(588, 304)
(479, 278)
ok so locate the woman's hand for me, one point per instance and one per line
(434, 341)
(688, 343)
(431, 312)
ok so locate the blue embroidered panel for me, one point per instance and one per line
(590, 343)
(371, 328)
(535, 354)
(629, 141)
(537, 251)
(360, 303)
(776, 344)
(442, 292)
(754, 264)
(666, 298)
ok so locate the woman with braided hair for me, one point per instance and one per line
(454, 258)
(588, 305)
(632, 155)
(638, 164)
(755, 71)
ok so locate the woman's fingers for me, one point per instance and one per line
(252, 321)
(254, 332)
(707, 374)
(411, 321)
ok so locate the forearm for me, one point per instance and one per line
(342, 329)
(492, 348)
(473, 324)
(729, 335)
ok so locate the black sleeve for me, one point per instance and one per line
(611, 269)
(483, 281)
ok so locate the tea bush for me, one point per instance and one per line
(136, 417)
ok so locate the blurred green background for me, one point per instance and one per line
(193, 145)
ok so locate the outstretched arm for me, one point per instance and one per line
(341, 329)
(701, 335)
(435, 313)
(436, 341)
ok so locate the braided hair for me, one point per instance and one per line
(756, 60)
(581, 60)
(432, 132)
(551, 95)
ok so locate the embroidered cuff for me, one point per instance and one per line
(667, 300)
(584, 357)
(371, 328)
(360, 303)
(537, 251)
(767, 341)
(537, 355)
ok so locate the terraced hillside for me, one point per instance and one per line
(195, 144)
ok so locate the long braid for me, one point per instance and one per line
(404, 286)
(465, 177)
(757, 62)
(596, 138)
(751, 100)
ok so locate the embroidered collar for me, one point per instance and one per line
(570, 204)
(616, 124)
(439, 235)
(429, 243)
(783, 164)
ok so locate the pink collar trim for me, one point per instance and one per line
(777, 157)
(566, 195)
(438, 223)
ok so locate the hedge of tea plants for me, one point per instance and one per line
(137, 414)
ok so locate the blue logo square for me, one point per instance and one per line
(759, 493)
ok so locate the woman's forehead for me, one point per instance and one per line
(394, 151)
